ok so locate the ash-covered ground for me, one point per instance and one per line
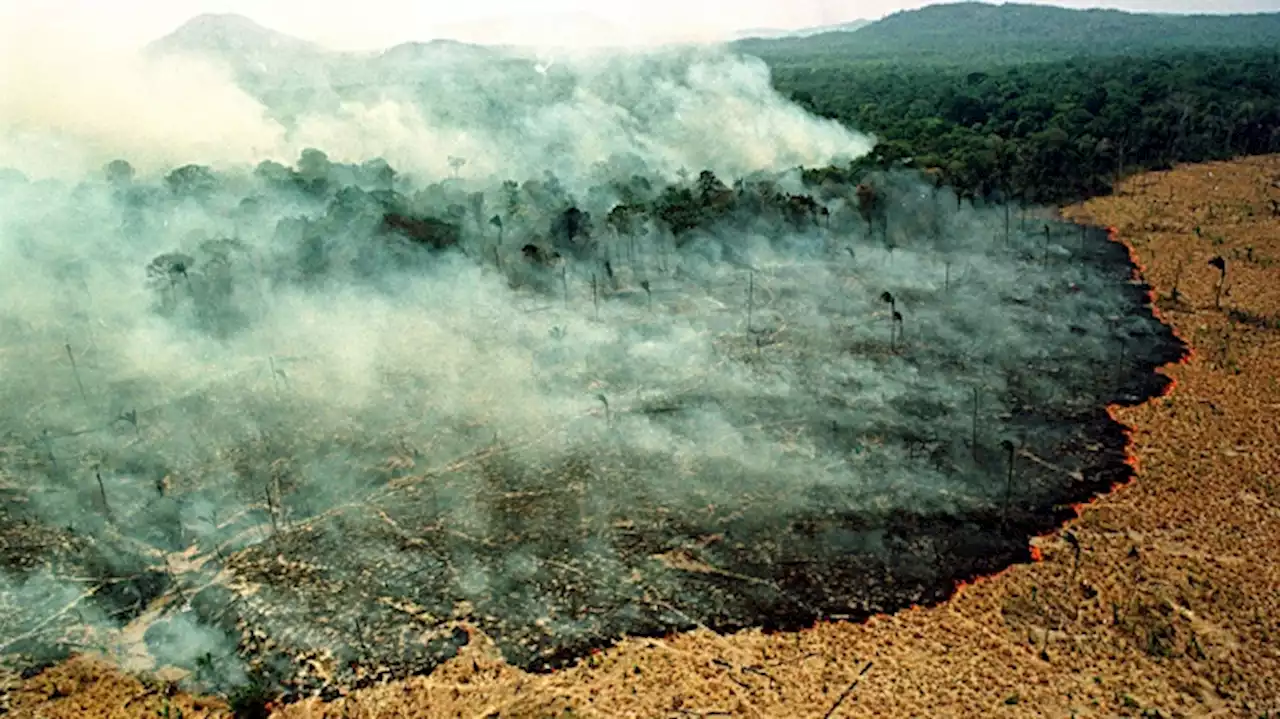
(309, 422)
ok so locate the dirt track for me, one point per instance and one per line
(1170, 606)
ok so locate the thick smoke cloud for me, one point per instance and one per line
(313, 406)
(66, 109)
(223, 92)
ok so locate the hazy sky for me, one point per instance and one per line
(375, 23)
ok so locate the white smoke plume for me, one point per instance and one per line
(224, 92)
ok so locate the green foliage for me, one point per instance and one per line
(202, 286)
(1056, 131)
(429, 231)
(379, 173)
(1041, 103)
(192, 181)
(570, 225)
(118, 172)
(679, 210)
(273, 173)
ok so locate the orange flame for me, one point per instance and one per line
(1131, 459)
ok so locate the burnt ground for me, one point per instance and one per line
(385, 588)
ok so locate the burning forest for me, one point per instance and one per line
(306, 422)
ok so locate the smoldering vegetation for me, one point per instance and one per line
(303, 423)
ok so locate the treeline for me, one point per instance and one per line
(335, 196)
(1058, 131)
(320, 220)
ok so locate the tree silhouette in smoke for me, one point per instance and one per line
(167, 269)
(801, 211)
(379, 174)
(119, 172)
(571, 230)
(429, 231)
(274, 174)
(192, 181)
(313, 171)
(496, 221)
(872, 207)
(622, 219)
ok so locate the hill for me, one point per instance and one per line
(257, 56)
(284, 72)
(230, 34)
(776, 33)
(983, 33)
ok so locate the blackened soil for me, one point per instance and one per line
(533, 558)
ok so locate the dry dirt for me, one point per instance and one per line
(1161, 600)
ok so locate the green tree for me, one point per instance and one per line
(191, 181)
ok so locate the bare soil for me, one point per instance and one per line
(1160, 600)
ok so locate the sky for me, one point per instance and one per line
(372, 24)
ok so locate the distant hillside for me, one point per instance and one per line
(777, 33)
(268, 63)
(980, 32)
(256, 55)
(232, 35)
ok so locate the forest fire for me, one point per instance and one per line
(1131, 458)
(351, 416)
(711, 545)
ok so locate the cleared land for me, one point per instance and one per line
(1162, 597)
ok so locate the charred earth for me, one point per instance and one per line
(753, 409)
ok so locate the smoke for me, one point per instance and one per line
(224, 92)
(67, 108)
(334, 407)
(713, 112)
